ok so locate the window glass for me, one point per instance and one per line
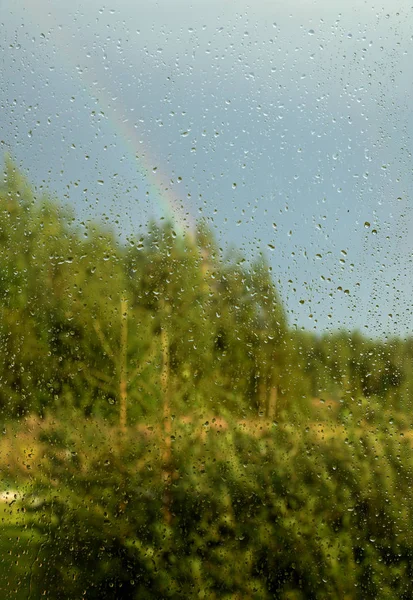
(205, 302)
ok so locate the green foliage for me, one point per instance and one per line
(62, 294)
(127, 357)
(233, 514)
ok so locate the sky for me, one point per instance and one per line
(287, 125)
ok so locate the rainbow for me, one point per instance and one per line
(158, 185)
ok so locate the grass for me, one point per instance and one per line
(19, 548)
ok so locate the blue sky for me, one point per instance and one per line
(305, 106)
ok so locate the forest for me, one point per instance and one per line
(167, 433)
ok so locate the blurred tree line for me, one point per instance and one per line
(95, 325)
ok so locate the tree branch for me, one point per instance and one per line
(103, 341)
